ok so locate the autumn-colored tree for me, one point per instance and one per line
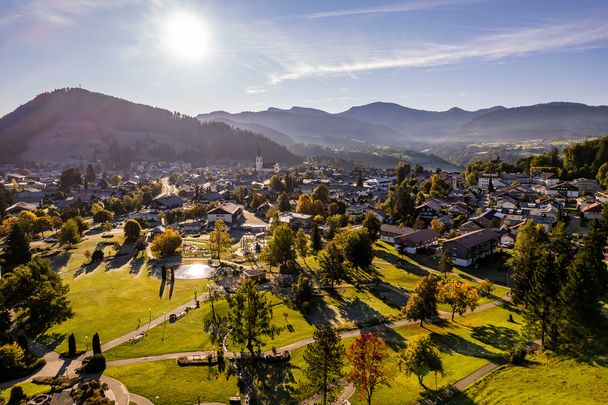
(219, 238)
(446, 263)
(422, 303)
(367, 357)
(459, 295)
(305, 205)
(438, 226)
(166, 243)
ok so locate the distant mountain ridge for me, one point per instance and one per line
(77, 123)
(391, 124)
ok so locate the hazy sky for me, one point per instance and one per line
(201, 56)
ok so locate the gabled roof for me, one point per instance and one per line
(228, 208)
(475, 238)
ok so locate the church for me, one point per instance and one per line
(259, 165)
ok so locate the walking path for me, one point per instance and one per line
(291, 346)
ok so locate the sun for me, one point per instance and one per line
(185, 37)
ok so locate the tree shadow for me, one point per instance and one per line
(161, 292)
(86, 269)
(320, 313)
(452, 343)
(500, 337)
(266, 382)
(61, 260)
(50, 341)
(389, 296)
(136, 265)
(402, 264)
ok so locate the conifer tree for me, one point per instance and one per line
(325, 360)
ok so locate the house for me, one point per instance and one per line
(262, 209)
(417, 239)
(16, 208)
(563, 189)
(592, 211)
(296, 220)
(390, 233)
(430, 209)
(467, 249)
(586, 185)
(167, 202)
(230, 213)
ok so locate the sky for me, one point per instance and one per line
(202, 56)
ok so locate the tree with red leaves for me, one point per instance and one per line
(367, 356)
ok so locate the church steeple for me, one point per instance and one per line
(259, 161)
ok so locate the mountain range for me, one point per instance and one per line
(79, 124)
(391, 124)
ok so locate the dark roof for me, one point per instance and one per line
(418, 236)
(475, 238)
(394, 229)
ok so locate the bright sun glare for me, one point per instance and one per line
(185, 37)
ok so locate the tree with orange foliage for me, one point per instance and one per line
(367, 356)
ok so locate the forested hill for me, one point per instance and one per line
(588, 159)
(76, 123)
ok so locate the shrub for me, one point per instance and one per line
(96, 344)
(17, 395)
(132, 230)
(71, 345)
(517, 356)
(97, 256)
(96, 364)
(486, 287)
(103, 216)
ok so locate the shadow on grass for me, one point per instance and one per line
(320, 313)
(61, 260)
(402, 264)
(500, 337)
(136, 265)
(452, 343)
(389, 296)
(50, 341)
(267, 382)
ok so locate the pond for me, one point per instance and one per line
(193, 271)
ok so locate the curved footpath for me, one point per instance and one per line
(56, 365)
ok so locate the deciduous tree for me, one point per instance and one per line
(367, 357)
(331, 265)
(422, 303)
(420, 357)
(459, 295)
(166, 243)
(219, 239)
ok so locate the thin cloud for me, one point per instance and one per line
(391, 8)
(255, 89)
(520, 42)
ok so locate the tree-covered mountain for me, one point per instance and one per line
(541, 121)
(394, 125)
(312, 126)
(76, 123)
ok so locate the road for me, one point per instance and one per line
(167, 189)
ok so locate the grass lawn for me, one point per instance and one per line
(30, 389)
(347, 306)
(465, 346)
(114, 302)
(187, 334)
(74, 258)
(544, 380)
(166, 383)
